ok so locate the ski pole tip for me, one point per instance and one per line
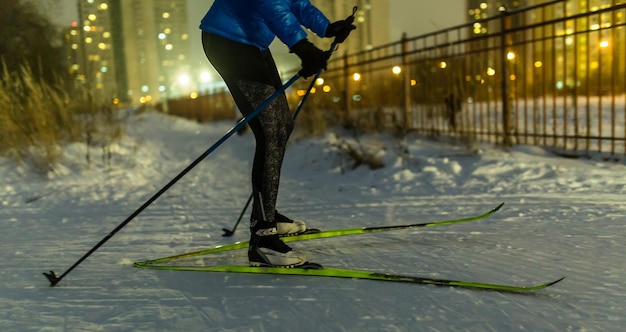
(227, 232)
(52, 277)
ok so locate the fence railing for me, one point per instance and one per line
(551, 74)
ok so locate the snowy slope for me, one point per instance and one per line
(562, 217)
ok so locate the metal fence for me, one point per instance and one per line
(551, 74)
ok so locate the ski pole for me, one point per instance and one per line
(333, 47)
(52, 276)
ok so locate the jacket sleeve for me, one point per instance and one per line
(286, 17)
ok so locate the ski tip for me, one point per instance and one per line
(52, 277)
(555, 282)
(498, 207)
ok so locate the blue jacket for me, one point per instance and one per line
(258, 22)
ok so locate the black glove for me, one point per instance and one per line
(313, 59)
(341, 29)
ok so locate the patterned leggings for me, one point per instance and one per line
(251, 77)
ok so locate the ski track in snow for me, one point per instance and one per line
(562, 217)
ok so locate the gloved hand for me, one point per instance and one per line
(313, 59)
(341, 29)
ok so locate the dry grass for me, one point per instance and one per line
(37, 118)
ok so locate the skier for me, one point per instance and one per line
(236, 35)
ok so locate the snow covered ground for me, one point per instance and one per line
(562, 217)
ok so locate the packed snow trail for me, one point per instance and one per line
(562, 217)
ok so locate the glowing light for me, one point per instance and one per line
(184, 79)
(604, 44)
(396, 70)
(205, 76)
(491, 71)
(443, 65)
(510, 55)
(356, 76)
(319, 81)
(538, 64)
(326, 88)
(193, 95)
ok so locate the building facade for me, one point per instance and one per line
(132, 51)
(587, 49)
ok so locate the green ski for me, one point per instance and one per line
(354, 274)
(322, 235)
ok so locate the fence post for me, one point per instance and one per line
(406, 83)
(505, 24)
(346, 88)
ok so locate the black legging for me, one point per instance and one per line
(251, 77)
